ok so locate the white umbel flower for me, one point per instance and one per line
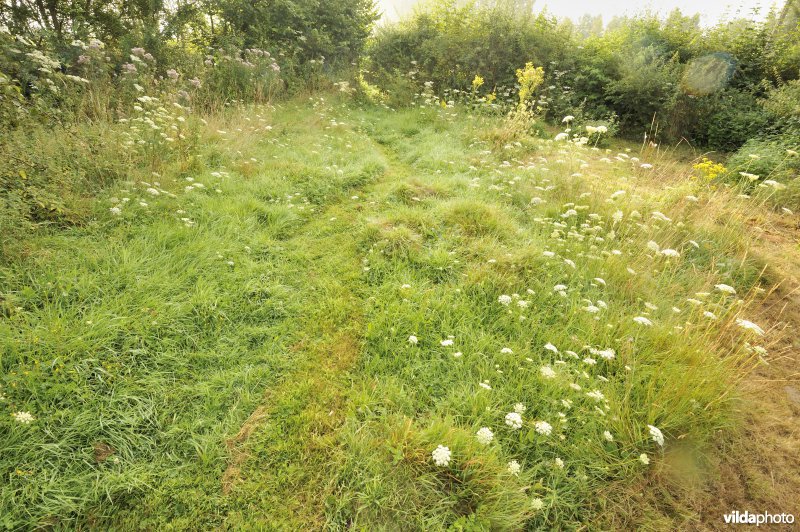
(484, 435)
(514, 420)
(725, 288)
(22, 417)
(750, 326)
(547, 372)
(657, 435)
(597, 395)
(543, 427)
(441, 456)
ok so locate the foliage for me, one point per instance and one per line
(783, 103)
(768, 158)
(146, 118)
(667, 77)
(306, 33)
(728, 119)
(332, 31)
(645, 88)
(452, 41)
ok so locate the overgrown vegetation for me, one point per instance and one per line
(670, 78)
(246, 283)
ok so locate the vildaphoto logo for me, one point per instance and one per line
(764, 518)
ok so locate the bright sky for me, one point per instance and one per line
(711, 11)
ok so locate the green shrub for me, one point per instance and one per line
(736, 119)
(646, 89)
(767, 158)
(450, 42)
(44, 173)
(783, 103)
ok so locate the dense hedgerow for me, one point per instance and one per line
(669, 76)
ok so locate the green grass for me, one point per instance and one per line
(251, 367)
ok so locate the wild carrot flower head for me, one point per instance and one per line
(441, 456)
(514, 420)
(485, 435)
(656, 434)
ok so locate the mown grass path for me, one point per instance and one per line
(278, 459)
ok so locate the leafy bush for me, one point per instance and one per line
(334, 31)
(783, 103)
(451, 42)
(768, 158)
(727, 120)
(646, 89)
(667, 77)
(251, 75)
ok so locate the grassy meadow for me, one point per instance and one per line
(284, 326)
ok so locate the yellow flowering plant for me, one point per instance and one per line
(529, 79)
(709, 169)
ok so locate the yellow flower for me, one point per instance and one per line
(477, 82)
(709, 169)
(529, 78)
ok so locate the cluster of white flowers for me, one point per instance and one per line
(656, 434)
(441, 456)
(543, 427)
(22, 417)
(750, 326)
(485, 435)
(514, 420)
